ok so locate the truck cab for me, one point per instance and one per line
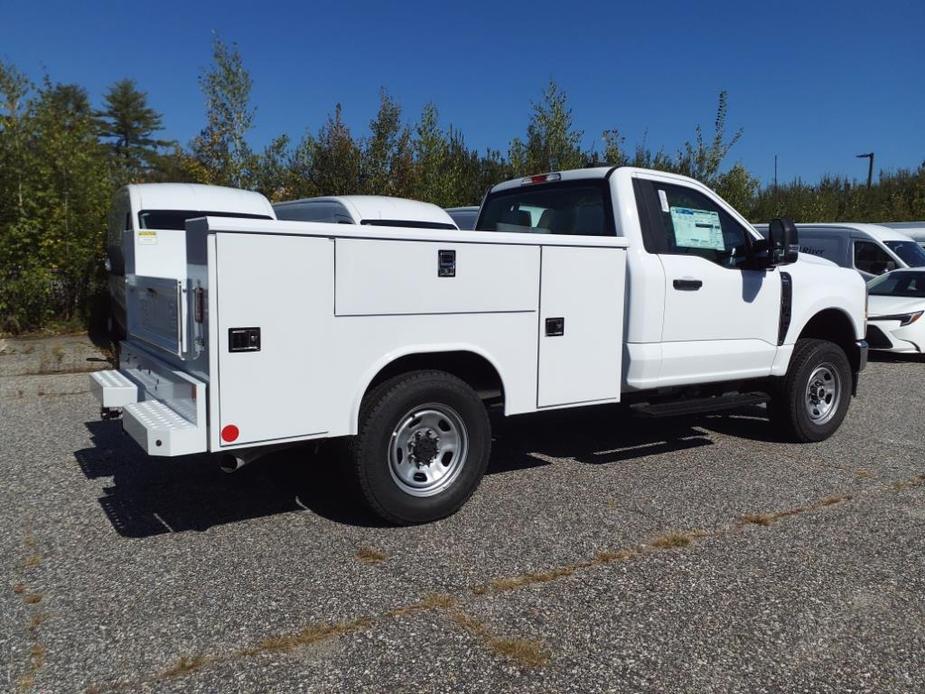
(702, 302)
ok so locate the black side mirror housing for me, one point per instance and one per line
(783, 242)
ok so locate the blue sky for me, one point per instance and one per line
(813, 82)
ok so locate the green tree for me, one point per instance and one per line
(51, 245)
(431, 149)
(613, 148)
(221, 147)
(270, 169)
(335, 161)
(738, 187)
(129, 125)
(702, 160)
(14, 163)
(387, 156)
(552, 142)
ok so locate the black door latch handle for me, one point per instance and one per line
(446, 263)
(555, 327)
(688, 285)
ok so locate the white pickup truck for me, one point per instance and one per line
(578, 288)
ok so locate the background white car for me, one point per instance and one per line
(375, 210)
(896, 305)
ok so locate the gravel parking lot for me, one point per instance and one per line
(602, 553)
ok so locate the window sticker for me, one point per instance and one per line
(147, 237)
(663, 199)
(697, 228)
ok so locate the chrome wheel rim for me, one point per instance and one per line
(823, 393)
(428, 449)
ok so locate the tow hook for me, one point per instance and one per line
(110, 413)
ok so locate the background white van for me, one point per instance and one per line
(147, 224)
(871, 249)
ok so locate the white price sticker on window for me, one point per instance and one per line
(697, 228)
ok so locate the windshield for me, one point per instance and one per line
(909, 252)
(176, 219)
(561, 208)
(911, 284)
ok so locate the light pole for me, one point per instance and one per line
(870, 165)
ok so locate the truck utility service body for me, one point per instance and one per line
(572, 295)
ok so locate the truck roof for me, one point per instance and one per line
(878, 231)
(591, 173)
(383, 207)
(569, 175)
(196, 197)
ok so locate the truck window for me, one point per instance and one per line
(678, 220)
(580, 208)
(321, 211)
(870, 258)
(176, 219)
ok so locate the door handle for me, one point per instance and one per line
(687, 285)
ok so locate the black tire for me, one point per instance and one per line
(387, 409)
(792, 411)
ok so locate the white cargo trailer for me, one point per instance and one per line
(586, 287)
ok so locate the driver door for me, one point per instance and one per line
(721, 316)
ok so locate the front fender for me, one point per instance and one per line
(817, 289)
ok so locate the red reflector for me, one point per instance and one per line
(230, 433)
(537, 179)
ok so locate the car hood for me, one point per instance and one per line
(814, 260)
(892, 305)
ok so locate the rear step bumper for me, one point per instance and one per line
(719, 403)
(163, 409)
(113, 389)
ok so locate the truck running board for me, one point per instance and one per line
(718, 403)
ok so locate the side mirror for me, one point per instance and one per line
(783, 242)
(890, 266)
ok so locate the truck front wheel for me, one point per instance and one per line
(422, 448)
(810, 402)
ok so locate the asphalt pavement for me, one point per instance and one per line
(602, 553)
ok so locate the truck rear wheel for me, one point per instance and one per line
(811, 401)
(422, 448)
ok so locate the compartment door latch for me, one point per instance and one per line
(555, 327)
(446, 263)
(243, 339)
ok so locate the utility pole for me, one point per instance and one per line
(870, 166)
(775, 172)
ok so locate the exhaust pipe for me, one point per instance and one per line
(230, 463)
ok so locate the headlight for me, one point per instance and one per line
(903, 318)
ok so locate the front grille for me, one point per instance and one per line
(876, 339)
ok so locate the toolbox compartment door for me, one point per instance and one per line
(403, 277)
(272, 331)
(581, 325)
